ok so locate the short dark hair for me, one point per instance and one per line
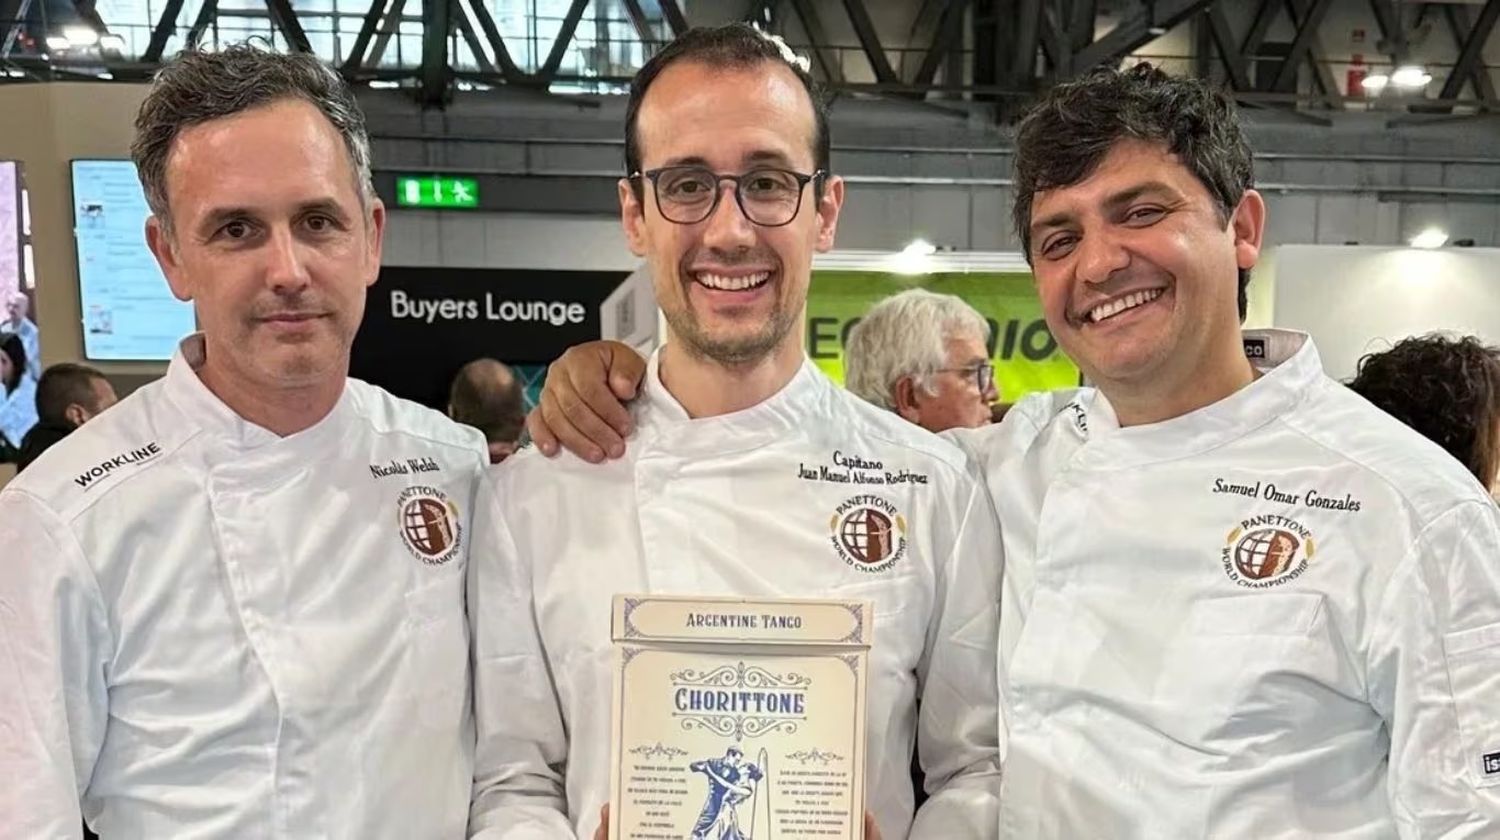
(734, 45)
(12, 346)
(1068, 133)
(488, 396)
(198, 86)
(1446, 388)
(66, 384)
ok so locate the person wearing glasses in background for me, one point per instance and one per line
(730, 483)
(925, 357)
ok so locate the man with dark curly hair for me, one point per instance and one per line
(1447, 388)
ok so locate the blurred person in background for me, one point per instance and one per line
(17, 397)
(16, 323)
(487, 395)
(233, 604)
(925, 357)
(1445, 387)
(67, 396)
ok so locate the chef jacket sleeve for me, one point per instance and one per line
(958, 730)
(1435, 678)
(55, 644)
(521, 744)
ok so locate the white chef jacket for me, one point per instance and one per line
(723, 506)
(1274, 617)
(210, 631)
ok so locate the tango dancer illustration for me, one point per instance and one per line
(731, 782)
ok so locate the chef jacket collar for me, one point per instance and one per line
(201, 407)
(772, 419)
(1289, 367)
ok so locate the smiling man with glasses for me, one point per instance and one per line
(746, 471)
(924, 356)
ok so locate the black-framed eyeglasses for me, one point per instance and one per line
(768, 196)
(982, 374)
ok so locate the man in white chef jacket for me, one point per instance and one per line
(745, 465)
(233, 605)
(1239, 601)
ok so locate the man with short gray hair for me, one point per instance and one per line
(233, 605)
(923, 356)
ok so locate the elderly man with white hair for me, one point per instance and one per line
(17, 307)
(923, 356)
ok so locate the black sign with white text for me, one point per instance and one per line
(422, 324)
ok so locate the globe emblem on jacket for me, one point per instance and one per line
(429, 524)
(868, 533)
(1267, 550)
(1266, 553)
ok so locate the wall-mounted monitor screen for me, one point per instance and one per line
(129, 314)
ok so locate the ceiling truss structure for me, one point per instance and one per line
(1014, 46)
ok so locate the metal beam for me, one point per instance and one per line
(355, 58)
(991, 65)
(1229, 51)
(206, 14)
(1083, 14)
(564, 38)
(388, 30)
(1057, 43)
(165, 26)
(437, 23)
(1316, 55)
(1135, 31)
(674, 17)
(869, 41)
(950, 30)
(90, 15)
(641, 23)
(12, 14)
(1259, 26)
(1203, 45)
(291, 28)
(1388, 20)
(509, 71)
(1307, 30)
(466, 30)
(812, 24)
(1028, 33)
(759, 12)
(1469, 63)
(923, 24)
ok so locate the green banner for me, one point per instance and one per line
(1025, 354)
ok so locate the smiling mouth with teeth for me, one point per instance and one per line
(1105, 311)
(732, 284)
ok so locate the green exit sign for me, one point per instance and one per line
(438, 191)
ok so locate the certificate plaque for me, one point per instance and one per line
(738, 719)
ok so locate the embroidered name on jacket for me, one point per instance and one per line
(134, 456)
(406, 467)
(852, 469)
